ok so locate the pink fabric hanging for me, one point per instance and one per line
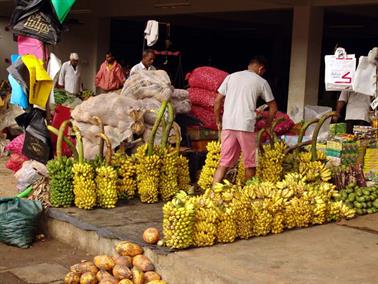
(28, 45)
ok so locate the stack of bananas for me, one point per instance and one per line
(205, 227)
(240, 178)
(270, 162)
(148, 175)
(179, 217)
(183, 175)
(168, 185)
(243, 215)
(84, 186)
(126, 170)
(211, 164)
(60, 172)
(106, 181)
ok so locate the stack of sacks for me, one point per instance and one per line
(114, 110)
(16, 158)
(204, 83)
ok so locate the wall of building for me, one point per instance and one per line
(7, 47)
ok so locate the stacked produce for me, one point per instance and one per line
(106, 180)
(363, 199)
(129, 266)
(204, 83)
(211, 164)
(168, 186)
(126, 170)
(266, 204)
(84, 186)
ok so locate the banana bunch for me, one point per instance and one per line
(60, 172)
(319, 211)
(126, 170)
(338, 210)
(106, 181)
(270, 162)
(168, 186)
(183, 175)
(292, 184)
(240, 178)
(243, 216)
(211, 164)
(263, 219)
(278, 222)
(148, 174)
(302, 211)
(178, 220)
(84, 186)
(205, 227)
(315, 171)
(226, 227)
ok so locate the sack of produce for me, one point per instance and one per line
(15, 162)
(15, 146)
(208, 78)
(281, 128)
(181, 106)
(206, 116)
(180, 94)
(202, 97)
(19, 221)
(148, 84)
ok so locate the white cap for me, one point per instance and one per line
(74, 56)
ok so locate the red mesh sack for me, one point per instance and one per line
(15, 162)
(202, 97)
(206, 116)
(281, 128)
(15, 146)
(208, 78)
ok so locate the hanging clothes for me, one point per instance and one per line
(152, 32)
(62, 8)
(40, 82)
(28, 45)
(53, 69)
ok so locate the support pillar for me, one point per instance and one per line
(305, 59)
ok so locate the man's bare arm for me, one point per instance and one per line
(218, 104)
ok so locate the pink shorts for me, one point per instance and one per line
(235, 142)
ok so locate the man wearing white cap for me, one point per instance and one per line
(69, 77)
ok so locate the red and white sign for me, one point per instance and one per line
(339, 70)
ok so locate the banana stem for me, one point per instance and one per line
(171, 118)
(151, 139)
(164, 132)
(79, 142)
(303, 132)
(274, 124)
(62, 127)
(297, 146)
(72, 147)
(323, 119)
(259, 139)
(99, 122)
(178, 137)
(108, 159)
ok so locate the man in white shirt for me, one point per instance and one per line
(239, 93)
(146, 63)
(69, 77)
(357, 109)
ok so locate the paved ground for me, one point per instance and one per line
(45, 262)
(7, 180)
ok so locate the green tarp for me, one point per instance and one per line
(62, 8)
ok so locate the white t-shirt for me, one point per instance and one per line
(70, 78)
(242, 89)
(140, 66)
(358, 105)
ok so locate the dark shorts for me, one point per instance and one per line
(351, 123)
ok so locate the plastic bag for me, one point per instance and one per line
(19, 220)
(312, 112)
(15, 146)
(30, 172)
(181, 107)
(15, 162)
(202, 97)
(208, 78)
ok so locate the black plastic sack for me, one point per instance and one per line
(37, 144)
(21, 74)
(36, 19)
(19, 221)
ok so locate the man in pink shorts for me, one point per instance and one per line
(238, 94)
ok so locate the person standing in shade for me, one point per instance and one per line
(110, 77)
(357, 109)
(146, 63)
(238, 95)
(69, 77)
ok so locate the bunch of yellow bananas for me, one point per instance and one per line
(168, 186)
(270, 162)
(183, 175)
(125, 166)
(211, 164)
(84, 186)
(106, 181)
